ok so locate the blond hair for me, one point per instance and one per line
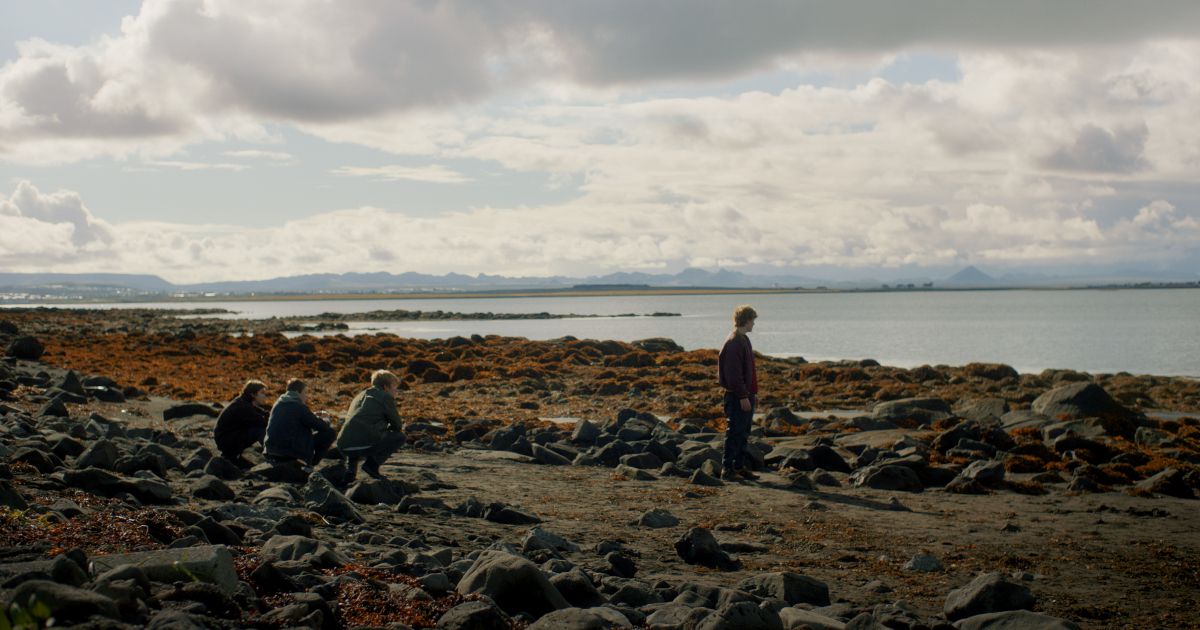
(383, 378)
(743, 314)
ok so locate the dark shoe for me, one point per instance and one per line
(729, 474)
(747, 475)
(242, 463)
(373, 471)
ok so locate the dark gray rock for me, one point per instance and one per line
(538, 538)
(699, 546)
(212, 564)
(55, 408)
(374, 492)
(657, 519)
(1088, 400)
(585, 432)
(701, 478)
(26, 348)
(792, 588)
(742, 616)
(922, 411)
(67, 604)
(1171, 482)
(222, 468)
(10, 498)
(676, 616)
(474, 615)
(578, 589)
(548, 457)
(1015, 620)
(213, 489)
(982, 409)
(326, 500)
(509, 515)
(315, 552)
(985, 471)
(514, 583)
(923, 563)
(582, 619)
(282, 472)
(988, 593)
(186, 410)
(888, 477)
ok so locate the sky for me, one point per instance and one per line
(205, 140)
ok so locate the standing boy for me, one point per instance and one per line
(738, 376)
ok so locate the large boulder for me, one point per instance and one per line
(742, 616)
(1088, 400)
(1015, 620)
(27, 348)
(600, 618)
(514, 583)
(324, 499)
(988, 593)
(314, 552)
(921, 411)
(699, 546)
(66, 604)
(474, 615)
(792, 588)
(212, 564)
(1171, 482)
(888, 477)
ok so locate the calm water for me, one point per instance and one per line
(1138, 331)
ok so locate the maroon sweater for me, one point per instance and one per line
(735, 366)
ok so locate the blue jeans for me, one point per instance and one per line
(737, 433)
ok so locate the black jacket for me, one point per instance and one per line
(291, 427)
(240, 424)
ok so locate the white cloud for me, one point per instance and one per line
(185, 165)
(433, 174)
(256, 154)
(49, 217)
(1059, 109)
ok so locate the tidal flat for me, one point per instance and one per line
(572, 483)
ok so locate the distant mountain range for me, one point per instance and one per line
(117, 285)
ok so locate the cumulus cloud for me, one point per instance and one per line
(1068, 133)
(51, 217)
(182, 70)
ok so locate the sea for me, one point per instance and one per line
(1139, 331)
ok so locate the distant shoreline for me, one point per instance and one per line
(568, 292)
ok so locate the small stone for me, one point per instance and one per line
(923, 563)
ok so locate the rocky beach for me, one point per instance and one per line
(572, 483)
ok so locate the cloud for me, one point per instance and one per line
(1099, 150)
(46, 219)
(433, 174)
(186, 70)
(549, 240)
(185, 165)
(255, 154)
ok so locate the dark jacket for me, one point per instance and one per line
(240, 424)
(735, 366)
(291, 429)
(371, 414)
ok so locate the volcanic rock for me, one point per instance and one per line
(987, 593)
(514, 583)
